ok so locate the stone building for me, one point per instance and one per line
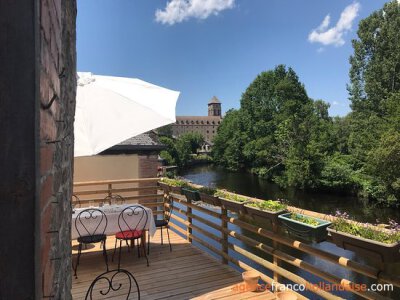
(205, 125)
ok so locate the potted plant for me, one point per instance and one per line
(232, 201)
(207, 195)
(380, 245)
(191, 193)
(172, 185)
(265, 210)
(305, 227)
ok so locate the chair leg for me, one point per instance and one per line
(119, 256)
(105, 253)
(148, 242)
(162, 242)
(138, 248)
(115, 249)
(77, 260)
(169, 241)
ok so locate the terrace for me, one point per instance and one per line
(211, 246)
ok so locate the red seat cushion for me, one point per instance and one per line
(129, 234)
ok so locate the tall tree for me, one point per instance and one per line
(375, 64)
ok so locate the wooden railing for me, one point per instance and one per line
(218, 219)
(143, 191)
(278, 255)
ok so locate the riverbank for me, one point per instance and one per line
(254, 186)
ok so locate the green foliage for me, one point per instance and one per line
(207, 190)
(165, 131)
(231, 196)
(175, 182)
(268, 205)
(179, 151)
(279, 133)
(375, 65)
(366, 230)
(304, 219)
(384, 164)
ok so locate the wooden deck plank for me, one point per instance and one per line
(185, 273)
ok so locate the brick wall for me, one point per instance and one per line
(57, 74)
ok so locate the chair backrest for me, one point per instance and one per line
(76, 202)
(90, 222)
(133, 218)
(114, 199)
(119, 281)
(168, 211)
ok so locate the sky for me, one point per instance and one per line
(204, 48)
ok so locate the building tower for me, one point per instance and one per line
(214, 107)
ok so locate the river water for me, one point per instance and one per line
(251, 185)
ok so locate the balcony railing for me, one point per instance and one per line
(248, 238)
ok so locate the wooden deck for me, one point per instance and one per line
(185, 273)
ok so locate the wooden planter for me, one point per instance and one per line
(175, 189)
(234, 205)
(164, 186)
(210, 199)
(190, 194)
(304, 231)
(263, 216)
(377, 251)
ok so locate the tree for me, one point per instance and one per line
(165, 130)
(375, 64)
(179, 150)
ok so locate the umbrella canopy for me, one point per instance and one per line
(110, 110)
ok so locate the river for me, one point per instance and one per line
(248, 184)
(251, 185)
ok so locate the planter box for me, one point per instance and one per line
(164, 186)
(213, 200)
(176, 189)
(260, 215)
(191, 195)
(304, 231)
(234, 205)
(377, 251)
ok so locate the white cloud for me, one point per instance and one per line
(177, 11)
(335, 103)
(334, 35)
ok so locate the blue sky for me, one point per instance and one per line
(217, 47)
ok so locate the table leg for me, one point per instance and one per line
(143, 241)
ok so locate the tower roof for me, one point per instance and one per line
(214, 100)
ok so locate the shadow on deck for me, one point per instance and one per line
(185, 273)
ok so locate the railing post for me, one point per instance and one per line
(224, 224)
(189, 219)
(109, 189)
(275, 260)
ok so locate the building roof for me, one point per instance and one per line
(214, 100)
(143, 142)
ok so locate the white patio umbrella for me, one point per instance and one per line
(110, 110)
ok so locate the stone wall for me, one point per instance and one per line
(57, 73)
